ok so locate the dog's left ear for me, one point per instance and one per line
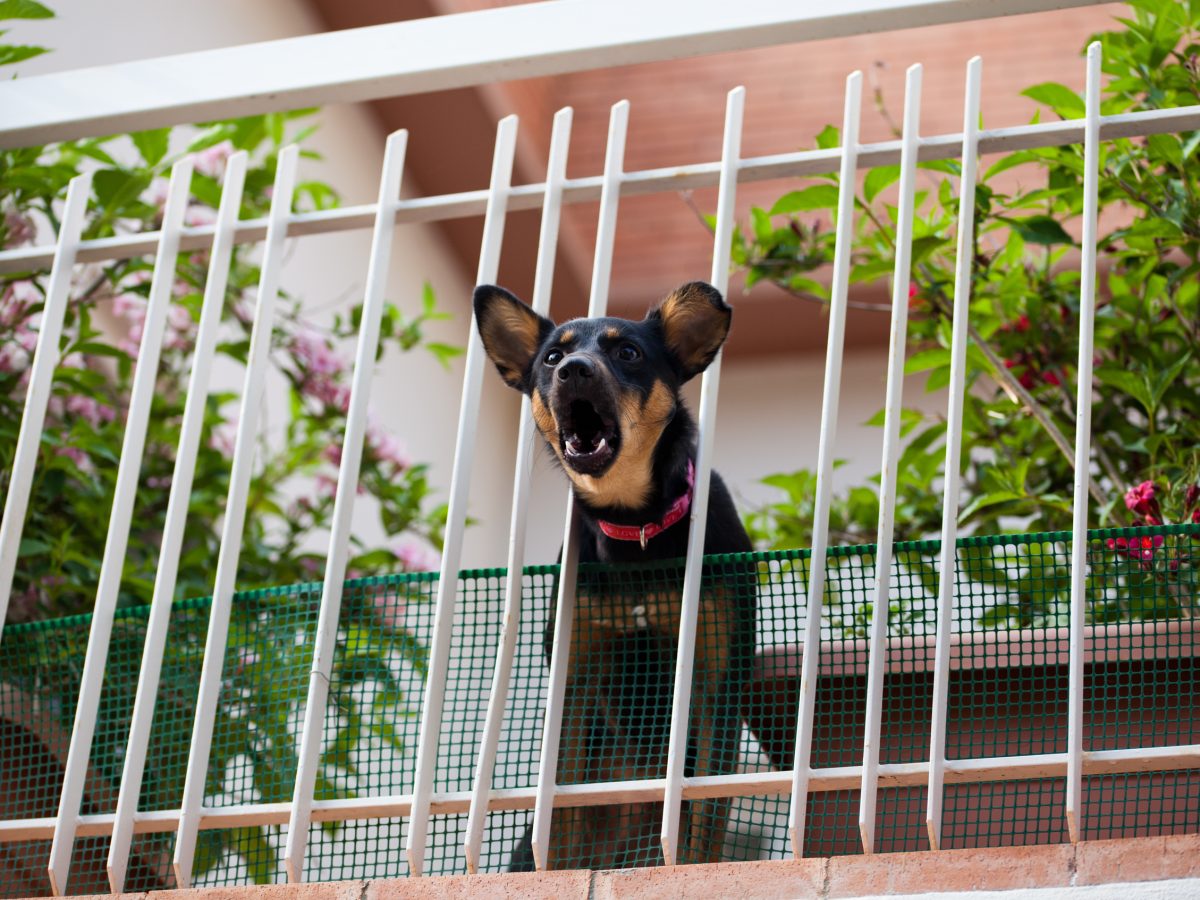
(511, 333)
(695, 322)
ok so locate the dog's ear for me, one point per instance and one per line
(695, 322)
(511, 332)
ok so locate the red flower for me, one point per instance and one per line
(1141, 500)
(1023, 323)
(1192, 495)
(1051, 378)
(1136, 548)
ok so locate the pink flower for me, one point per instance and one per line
(417, 556)
(157, 193)
(312, 351)
(74, 454)
(389, 611)
(27, 338)
(199, 214)
(333, 453)
(388, 448)
(224, 439)
(211, 161)
(1141, 500)
(129, 306)
(20, 228)
(179, 318)
(328, 392)
(326, 485)
(16, 299)
(90, 409)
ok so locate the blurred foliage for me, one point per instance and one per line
(1025, 312)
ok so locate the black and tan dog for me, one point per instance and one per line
(605, 397)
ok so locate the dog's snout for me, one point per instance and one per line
(576, 368)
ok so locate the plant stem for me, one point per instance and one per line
(1014, 389)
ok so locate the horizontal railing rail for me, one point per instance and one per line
(632, 184)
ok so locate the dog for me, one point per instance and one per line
(605, 395)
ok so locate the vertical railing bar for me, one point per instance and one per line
(41, 383)
(124, 496)
(460, 485)
(1083, 444)
(838, 297)
(606, 234)
(564, 617)
(374, 300)
(953, 473)
(877, 641)
(241, 471)
(556, 174)
(141, 722)
(693, 573)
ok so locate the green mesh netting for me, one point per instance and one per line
(1007, 697)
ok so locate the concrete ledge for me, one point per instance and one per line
(891, 874)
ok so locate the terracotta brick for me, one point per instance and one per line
(993, 869)
(523, 885)
(1151, 859)
(330, 890)
(767, 880)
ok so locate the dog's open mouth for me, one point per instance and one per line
(587, 438)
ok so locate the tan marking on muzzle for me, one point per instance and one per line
(626, 483)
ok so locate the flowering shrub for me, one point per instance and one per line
(291, 498)
(1019, 417)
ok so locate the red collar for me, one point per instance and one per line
(643, 533)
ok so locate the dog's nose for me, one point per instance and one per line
(576, 368)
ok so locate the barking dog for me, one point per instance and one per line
(605, 397)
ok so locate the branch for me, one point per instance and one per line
(1014, 389)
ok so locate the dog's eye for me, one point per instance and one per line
(628, 353)
(554, 357)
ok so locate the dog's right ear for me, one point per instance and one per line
(511, 332)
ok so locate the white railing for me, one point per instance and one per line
(494, 202)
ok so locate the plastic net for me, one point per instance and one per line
(1007, 697)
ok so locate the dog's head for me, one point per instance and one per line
(604, 390)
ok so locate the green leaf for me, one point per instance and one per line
(927, 359)
(828, 138)
(819, 196)
(24, 9)
(1008, 162)
(30, 547)
(986, 500)
(1166, 378)
(1055, 95)
(1166, 146)
(152, 144)
(1043, 230)
(19, 53)
(878, 179)
(1127, 382)
(443, 352)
